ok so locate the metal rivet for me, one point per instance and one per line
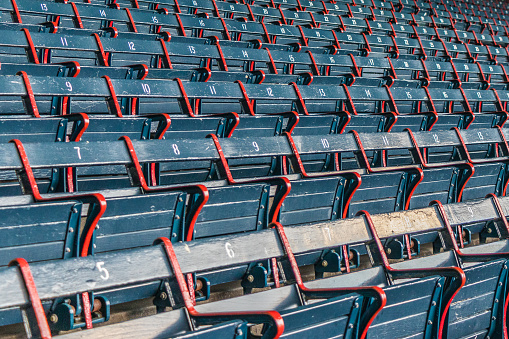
(356, 305)
(496, 300)
(71, 229)
(505, 267)
(177, 217)
(250, 278)
(68, 250)
(95, 246)
(499, 284)
(262, 207)
(96, 227)
(389, 251)
(439, 285)
(74, 210)
(489, 230)
(337, 198)
(340, 183)
(238, 332)
(259, 222)
(333, 213)
(61, 124)
(430, 322)
(53, 318)
(325, 263)
(51, 189)
(180, 199)
(163, 295)
(433, 303)
(350, 325)
(397, 204)
(59, 139)
(174, 235)
(145, 123)
(264, 190)
(55, 170)
(493, 318)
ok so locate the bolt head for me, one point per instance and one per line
(53, 318)
(71, 229)
(163, 296)
(325, 263)
(250, 278)
(68, 249)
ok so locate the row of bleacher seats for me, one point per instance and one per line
(272, 107)
(356, 303)
(234, 153)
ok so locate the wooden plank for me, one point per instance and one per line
(375, 141)
(470, 212)
(325, 143)
(304, 238)
(67, 277)
(200, 255)
(405, 222)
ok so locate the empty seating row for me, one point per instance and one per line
(453, 279)
(364, 107)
